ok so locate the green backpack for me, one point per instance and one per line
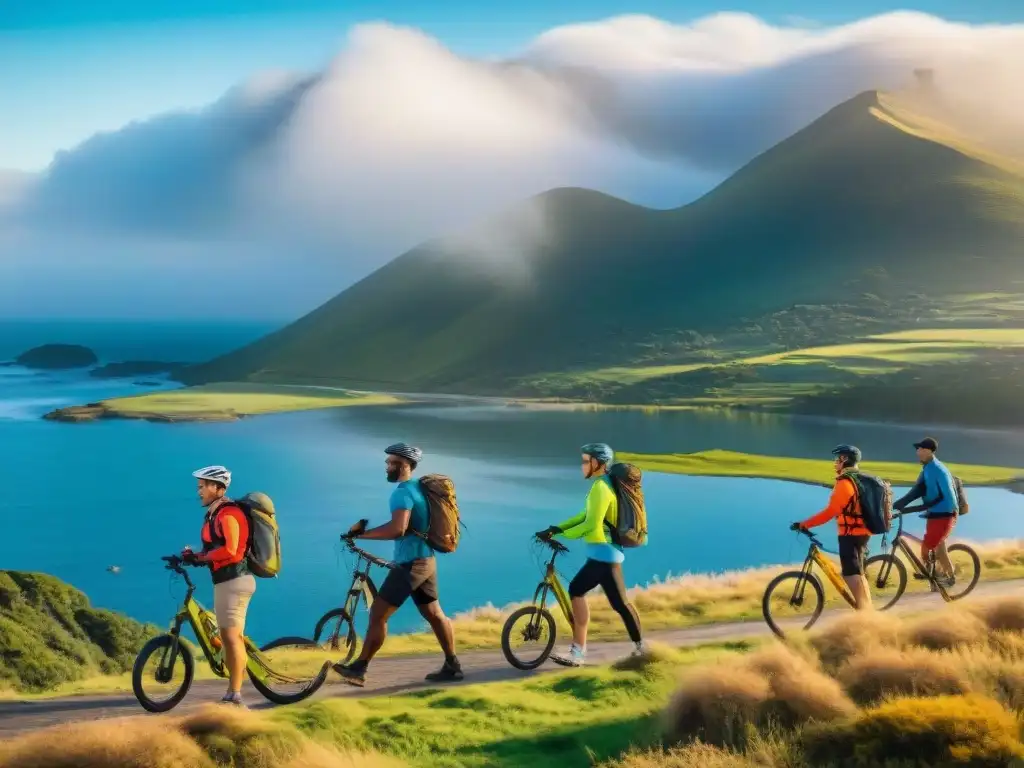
(263, 550)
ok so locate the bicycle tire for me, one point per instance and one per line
(152, 646)
(273, 696)
(975, 561)
(283, 641)
(797, 576)
(506, 636)
(901, 575)
(351, 642)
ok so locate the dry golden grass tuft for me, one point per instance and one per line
(800, 690)
(697, 755)
(941, 731)
(214, 737)
(854, 634)
(1003, 614)
(887, 672)
(945, 630)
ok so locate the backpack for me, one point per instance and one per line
(875, 497)
(961, 496)
(442, 534)
(631, 527)
(263, 550)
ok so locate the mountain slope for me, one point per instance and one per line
(855, 202)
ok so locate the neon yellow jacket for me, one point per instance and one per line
(589, 524)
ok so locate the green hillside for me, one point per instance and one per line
(866, 221)
(50, 634)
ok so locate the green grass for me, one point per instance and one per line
(242, 399)
(718, 463)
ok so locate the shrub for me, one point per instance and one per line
(800, 691)
(855, 634)
(935, 732)
(915, 672)
(943, 630)
(1005, 614)
(717, 704)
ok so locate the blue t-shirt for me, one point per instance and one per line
(411, 547)
(938, 484)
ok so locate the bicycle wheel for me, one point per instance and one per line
(168, 691)
(538, 622)
(966, 570)
(287, 670)
(336, 632)
(887, 580)
(790, 592)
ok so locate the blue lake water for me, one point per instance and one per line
(79, 497)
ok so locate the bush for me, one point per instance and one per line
(1006, 614)
(944, 630)
(855, 634)
(915, 672)
(717, 704)
(935, 733)
(800, 691)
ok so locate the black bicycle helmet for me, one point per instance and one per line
(849, 452)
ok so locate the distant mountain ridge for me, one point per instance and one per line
(857, 203)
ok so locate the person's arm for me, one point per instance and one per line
(231, 530)
(914, 493)
(394, 529)
(598, 500)
(842, 495)
(932, 486)
(401, 513)
(575, 520)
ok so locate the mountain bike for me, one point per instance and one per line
(964, 577)
(790, 588)
(172, 653)
(339, 623)
(538, 617)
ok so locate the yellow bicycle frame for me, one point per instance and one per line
(833, 575)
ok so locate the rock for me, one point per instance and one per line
(57, 357)
(76, 413)
(131, 368)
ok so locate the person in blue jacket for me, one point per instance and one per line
(935, 488)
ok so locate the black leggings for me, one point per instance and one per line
(608, 576)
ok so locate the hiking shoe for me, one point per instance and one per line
(446, 674)
(573, 657)
(233, 699)
(353, 674)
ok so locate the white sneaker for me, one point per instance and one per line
(639, 649)
(573, 657)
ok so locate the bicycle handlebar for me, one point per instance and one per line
(556, 546)
(814, 539)
(364, 554)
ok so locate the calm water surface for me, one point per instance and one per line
(81, 497)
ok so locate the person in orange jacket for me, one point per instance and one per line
(844, 506)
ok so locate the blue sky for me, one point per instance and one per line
(69, 68)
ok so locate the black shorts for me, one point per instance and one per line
(852, 552)
(417, 579)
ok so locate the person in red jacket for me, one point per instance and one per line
(225, 537)
(844, 506)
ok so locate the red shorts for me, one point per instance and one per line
(937, 529)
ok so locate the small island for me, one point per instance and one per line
(217, 402)
(56, 357)
(717, 463)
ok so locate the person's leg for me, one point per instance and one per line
(589, 576)
(615, 590)
(852, 550)
(392, 594)
(231, 603)
(936, 533)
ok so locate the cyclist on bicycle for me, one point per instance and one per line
(415, 575)
(604, 559)
(853, 534)
(935, 486)
(225, 538)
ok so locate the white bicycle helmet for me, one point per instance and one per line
(216, 473)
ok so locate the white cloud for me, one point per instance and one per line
(399, 139)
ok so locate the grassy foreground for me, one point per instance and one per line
(718, 463)
(944, 689)
(218, 402)
(675, 603)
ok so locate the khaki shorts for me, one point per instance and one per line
(231, 601)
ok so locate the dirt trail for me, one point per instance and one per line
(392, 676)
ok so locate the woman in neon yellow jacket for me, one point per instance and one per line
(604, 559)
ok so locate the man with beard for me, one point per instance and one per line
(414, 575)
